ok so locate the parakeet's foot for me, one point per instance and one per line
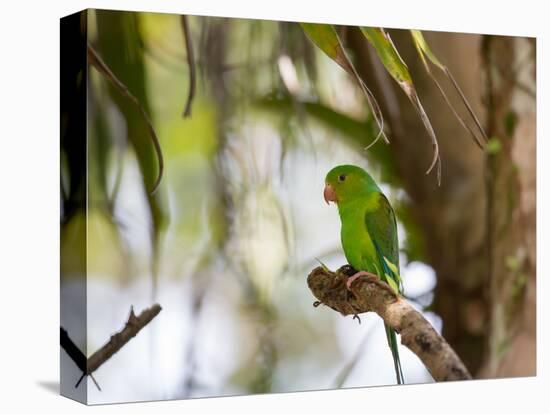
(372, 278)
(357, 275)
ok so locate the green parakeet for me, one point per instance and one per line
(368, 232)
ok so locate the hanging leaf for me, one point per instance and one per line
(99, 64)
(395, 66)
(118, 46)
(389, 56)
(424, 52)
(325, 38)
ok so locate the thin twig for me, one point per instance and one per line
(370, 294)
(117, 341)
(190, 63)
(103, 69)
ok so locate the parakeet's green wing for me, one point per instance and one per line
(382, 228)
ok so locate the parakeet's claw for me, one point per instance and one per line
(358, 318)
(355, 277)
(317, 303)
(372, 278)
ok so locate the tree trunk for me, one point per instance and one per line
(460, 243)
(510, 186)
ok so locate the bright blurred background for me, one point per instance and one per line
(226, 243)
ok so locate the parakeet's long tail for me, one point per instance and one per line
(392, 342)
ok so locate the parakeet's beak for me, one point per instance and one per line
(329, 194)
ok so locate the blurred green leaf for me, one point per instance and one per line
(95, 60)
(99, 148)
(513, 263)
(493, 146)
(119, 45)
(510, 122)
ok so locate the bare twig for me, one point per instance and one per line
(372, 295)
(103, 69)
(190, 63)
(117, 341)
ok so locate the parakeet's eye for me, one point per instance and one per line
(342, 178)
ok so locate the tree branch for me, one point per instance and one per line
(117, 341)
(369, 294)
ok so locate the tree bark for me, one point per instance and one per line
(510, 187)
